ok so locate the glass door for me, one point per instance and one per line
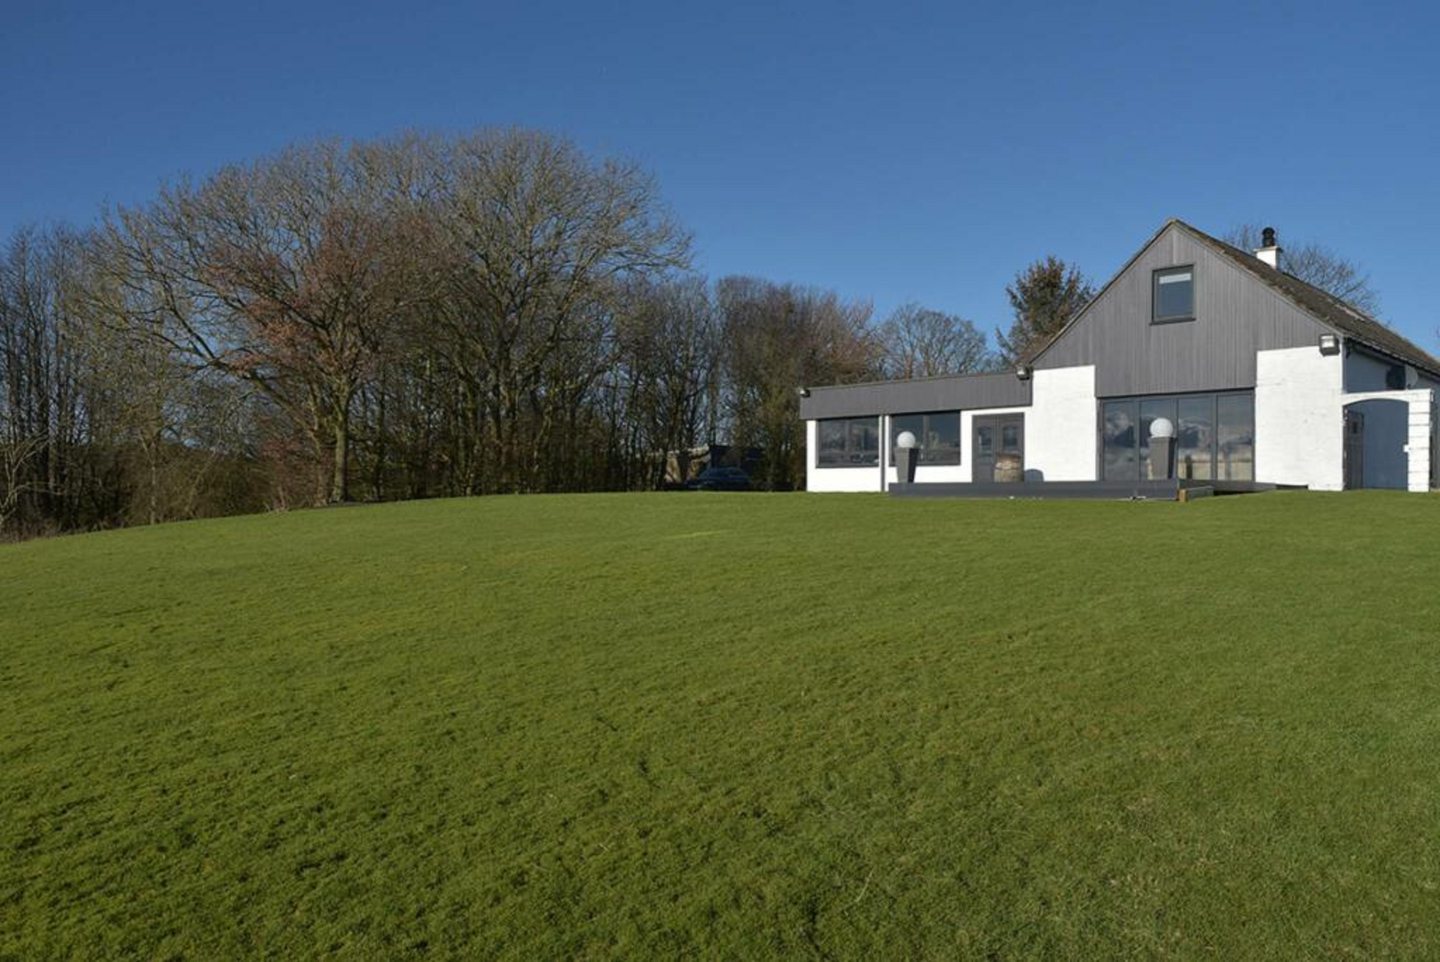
(999, 448)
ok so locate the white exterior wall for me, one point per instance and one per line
(1062, 425)
(841, 479)
(1299, 418)
(1421, 431)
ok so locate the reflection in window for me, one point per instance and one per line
(1174, 295)
(1118, 443)
(1150, 409)
(937, 435)
(849, 442)
(1235, 437)
(1214, 436)
(1195, 439)
(984, 440)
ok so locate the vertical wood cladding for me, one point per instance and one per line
(1235, 315)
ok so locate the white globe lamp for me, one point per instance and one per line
(1162, 428)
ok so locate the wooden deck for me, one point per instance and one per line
(1171, 490)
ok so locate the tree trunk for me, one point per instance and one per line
(340, 477)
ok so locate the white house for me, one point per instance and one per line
(1265, 380)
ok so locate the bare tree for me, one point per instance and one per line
(920, 342)
(287, 274)
(1317, 265)
(54, 473)
(539, 242)
(665, 376)
(18, 477)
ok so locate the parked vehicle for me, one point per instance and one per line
(720, 479)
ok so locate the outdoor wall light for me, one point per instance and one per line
(1329, 344)
(1023, 372)
(1162, 428)
(905, 440)
(803, 391)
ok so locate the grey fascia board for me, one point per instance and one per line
(956, 393)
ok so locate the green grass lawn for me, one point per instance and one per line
(729, 726)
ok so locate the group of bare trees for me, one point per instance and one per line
(402, 318)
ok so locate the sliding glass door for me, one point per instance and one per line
(1118, 435)
(1214, 436)
(1235, 437)
(1195, 439)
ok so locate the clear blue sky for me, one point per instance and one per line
(888, 151)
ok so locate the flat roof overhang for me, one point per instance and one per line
(962, 392)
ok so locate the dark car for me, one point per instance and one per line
(720, 479)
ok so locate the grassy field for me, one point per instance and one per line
(729, 726)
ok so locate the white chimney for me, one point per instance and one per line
(1269, 251)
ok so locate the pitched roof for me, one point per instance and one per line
(1325, 307)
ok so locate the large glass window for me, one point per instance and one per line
(849, 443)
(937, 435)
(1195, 439)
(1173, 295)
(1150, 409)
(1214, 437)
(1118, 441)
(1235, 437)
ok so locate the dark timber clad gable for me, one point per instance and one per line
(1235, 316)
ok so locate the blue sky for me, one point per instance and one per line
(892, 152)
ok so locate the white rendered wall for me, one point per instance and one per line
(1299, 418)
(1061, 425)
(841, 479)
(1421, 431)
(932, 473)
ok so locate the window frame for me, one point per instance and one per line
(1134, 402)
(1155, 275)
(820, 450)
(925, 422)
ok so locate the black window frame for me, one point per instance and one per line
(926, 415)
(1155, 316)
(820, 461)
(1137, 420)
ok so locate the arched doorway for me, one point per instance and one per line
(1377, 432)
